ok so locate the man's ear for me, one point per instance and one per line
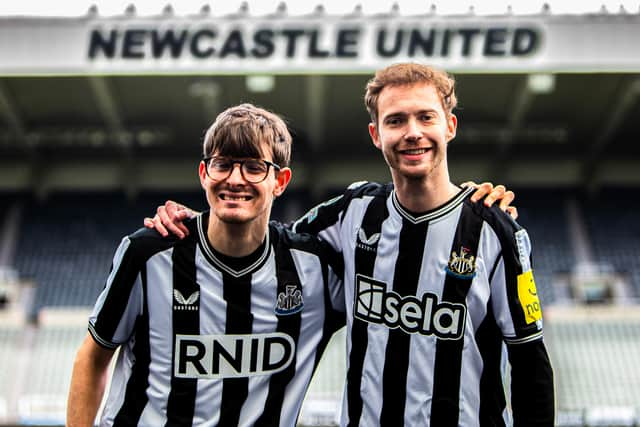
(282, 180)
(375, 136)
(202, 173)
(452, 126)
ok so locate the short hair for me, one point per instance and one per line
(241, 130)
(407, 74)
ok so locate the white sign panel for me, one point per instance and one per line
(585, 43)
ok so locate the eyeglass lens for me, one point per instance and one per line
(252, 170)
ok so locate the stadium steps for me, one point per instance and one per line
(9, 338)
(46, 383)
(594, 352)
(66, 243)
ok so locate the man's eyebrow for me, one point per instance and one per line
(404, 113)
(427, 110)
(395, 114)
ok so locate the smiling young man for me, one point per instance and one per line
(226, 326)
(436, 286)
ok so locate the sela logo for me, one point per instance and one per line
(461, 266)
(367, 243)
(185, 303)
(290, 301)
(231, 356)
(424, 316)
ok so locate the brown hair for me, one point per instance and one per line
(407, 74)
(240, 131)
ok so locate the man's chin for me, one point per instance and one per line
(413, 174)
(233, 218)
(417, 172)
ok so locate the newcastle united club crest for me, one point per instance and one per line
(463, 265)
(290, 301)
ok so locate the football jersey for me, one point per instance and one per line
(206, 340)
(430, 300)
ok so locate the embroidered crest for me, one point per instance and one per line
(462, 266)
(290, 301)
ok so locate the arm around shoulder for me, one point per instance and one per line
(88, 382)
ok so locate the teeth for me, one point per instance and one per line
(416, 151)
(234, 198)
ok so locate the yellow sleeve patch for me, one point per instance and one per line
(528, 296)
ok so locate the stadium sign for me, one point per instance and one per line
(421, 41)
(317, 44)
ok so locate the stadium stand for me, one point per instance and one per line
(67, 242)
(325, 392)
(612, 221)
(544, 217)
(5, 202)
(594, 352)
(9, 335)
(46, 382)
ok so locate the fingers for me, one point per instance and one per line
(493, 194)
(506, 200)
(481, 191)
(156, 223)
(496, 194)
(171, 217)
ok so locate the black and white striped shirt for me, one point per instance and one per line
(206, 340)
(431, 298)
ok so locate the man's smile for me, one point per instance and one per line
(229, 197)
(415, 151)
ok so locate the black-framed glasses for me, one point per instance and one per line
(253, 170)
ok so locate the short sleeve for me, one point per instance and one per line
(114, 314)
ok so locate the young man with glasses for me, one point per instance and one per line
(226, 326)
(436, 286)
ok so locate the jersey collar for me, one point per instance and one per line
(217, 262)
(441, 211)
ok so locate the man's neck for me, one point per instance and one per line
(236, 240)
(421, 195)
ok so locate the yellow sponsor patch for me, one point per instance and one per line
(528, 296)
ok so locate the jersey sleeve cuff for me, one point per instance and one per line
(523, 340)
(101, 342)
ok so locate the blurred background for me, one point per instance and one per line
(103, 108)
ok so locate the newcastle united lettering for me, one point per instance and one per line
(413, 41)
(431, 42)
(210, 42)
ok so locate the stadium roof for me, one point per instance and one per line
(545, 99)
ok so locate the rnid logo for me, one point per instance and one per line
(232, 356)
(424, 316)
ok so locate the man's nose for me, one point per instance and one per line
(236, 174)
(413, 130)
